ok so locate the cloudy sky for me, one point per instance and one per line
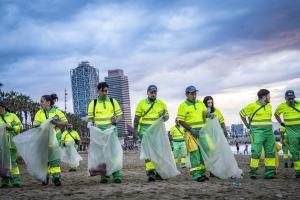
(227, 49)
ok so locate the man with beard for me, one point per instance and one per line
(290, 109)
(260, 125)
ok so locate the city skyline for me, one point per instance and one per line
(229, 49)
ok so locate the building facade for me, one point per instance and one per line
(119, 90)
(84, 80)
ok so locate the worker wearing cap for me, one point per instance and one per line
(147, 112)
(260, 125)
(290, 109)
(179, 148)
(191, 115)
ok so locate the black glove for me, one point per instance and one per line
(194, 133)
(247, 126)
(282, 124)
(135, 135)
(211, 116)
(9, 128)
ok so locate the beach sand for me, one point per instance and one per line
(77, 185)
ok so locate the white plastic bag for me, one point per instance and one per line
(105, 152)
(156, 147)
(5, 162)
(70, 155)
(37, 146)
(216, 152)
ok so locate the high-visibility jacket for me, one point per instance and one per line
(104, 111)
(159, 107)
(193, 114)
(290, 115)
(42, 115)
(177, 133)
(219, 115)
(69, 136)
(262, 117)
(11, 119)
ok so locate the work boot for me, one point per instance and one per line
(158, 177)
(117, 178)
(292, 165)
(47, 181)
(104, 179)
(286, 165)
(16, 181)
(201, 179)
(56, 179)
(151, 178)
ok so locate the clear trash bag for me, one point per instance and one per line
(156, 147)
(5, 162)
(70, 155)
(37, 147)
(216, 152)
(105, 152)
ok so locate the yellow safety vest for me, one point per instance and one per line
(262, 117)
(290, 115)
(103, 111)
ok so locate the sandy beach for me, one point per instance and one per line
(77, 185)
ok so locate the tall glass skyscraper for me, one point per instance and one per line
(84, 79)
(119, 90)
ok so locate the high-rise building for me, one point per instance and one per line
(119, 90)
(84, 79)
(237, 129)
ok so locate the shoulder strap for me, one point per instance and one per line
(45, 114)
(113, 105)
(3, 119)
(255, 113)
(70, 135)
(290, 106)
(149, 109)
(179, 130)
(95, 103)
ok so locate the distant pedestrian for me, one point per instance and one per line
(237, 148)
(246, 149)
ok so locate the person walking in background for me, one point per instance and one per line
(70, 135)
(177, 132)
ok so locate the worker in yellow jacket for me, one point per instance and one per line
(147, 112)
(290, 109)
(179, 148)
(13, 127)
(70, 135)
(192, 115)
(209, 103)
(285, 148)
(260, 125)
(49, 111)
(104, 112)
